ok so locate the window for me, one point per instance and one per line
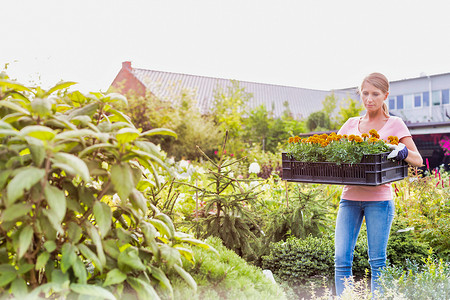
(400, 102)
(418, 100)
(436, 97)
(391, 103)
(426, 98)
(445, 96)
(408, 101)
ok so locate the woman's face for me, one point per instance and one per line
(372, 97)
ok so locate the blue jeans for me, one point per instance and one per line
(379, 216)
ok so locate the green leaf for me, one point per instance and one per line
(15, 211)
(56, 200)
(77, 166)
(60, 86)
(74, 232)
(162, 278)
(126, 135)
(118, 116)
(23, 180)
(138, 201)
(25, 239)
(186, 276)
(116, 97)
(111, 248)
(88, 110)
(95, 237)
(159, 131)
(149, 231)
(91, 256)
(96, 147)
(19, 288)
(68, 257)
(130, 257)
(42, 260)
(79, 269)
(115, 276)
(161, 227)
(72, 134)
(40, 132)
(92, 290)
(186, 253)
(77, 97)
(14, 86)
(122, 178)
(199, 244)
(8, 132)
(7, 277)
(143, 289)
(24, 268)
(37, 150)
(50, 246)
(103, 217)
(170, 255)
(53, 219)
(4, 175)
(15, 107)
(167, 221)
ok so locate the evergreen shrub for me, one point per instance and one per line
(302, 261)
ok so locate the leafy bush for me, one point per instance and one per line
(301, 261)
(224, 276)
(422, 202)
(318, 121)
(427, 280)
(73, 220)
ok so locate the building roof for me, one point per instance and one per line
(302, 102)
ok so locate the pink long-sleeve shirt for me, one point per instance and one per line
(395, 127)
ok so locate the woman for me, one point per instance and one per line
(374, 203)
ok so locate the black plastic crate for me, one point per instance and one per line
(374, 169)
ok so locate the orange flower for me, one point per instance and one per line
(291, 139)
(373, 140)
(364, 135)
(351, 137)
(358, 139)
(373, 132)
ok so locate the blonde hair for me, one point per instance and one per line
(379, 81)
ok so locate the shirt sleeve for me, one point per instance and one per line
(400, 129)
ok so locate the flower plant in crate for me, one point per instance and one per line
(337, 148)
(336, 159)
(63, 157)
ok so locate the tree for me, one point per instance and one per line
(179, 113)
(348, 108)
(318, 121)
(230, 106)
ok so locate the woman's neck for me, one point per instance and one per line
(375, 116)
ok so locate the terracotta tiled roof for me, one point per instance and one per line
(302, 102)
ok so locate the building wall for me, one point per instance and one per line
(410, 99)
(125, 82)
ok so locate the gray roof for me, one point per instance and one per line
(302, 102)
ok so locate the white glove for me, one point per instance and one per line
(399, 152)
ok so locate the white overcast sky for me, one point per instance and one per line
(318, 44)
